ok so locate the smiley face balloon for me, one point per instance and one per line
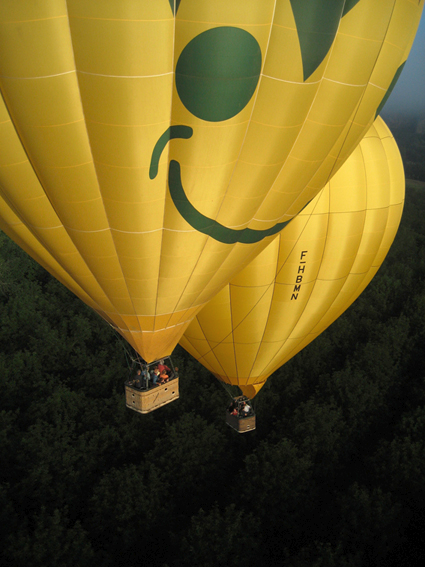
(149, 149)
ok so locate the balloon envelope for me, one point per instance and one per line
(151, 149)
(308, 276)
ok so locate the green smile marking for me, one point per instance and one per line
(209, 226)
(196, 219)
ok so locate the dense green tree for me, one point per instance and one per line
(191, 455)
(369, 523)
(128, 511)
(276, 485)
(52, 541)
(226, 537)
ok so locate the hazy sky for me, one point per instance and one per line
(409, 92)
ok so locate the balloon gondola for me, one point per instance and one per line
(240, 415)
(152, 386)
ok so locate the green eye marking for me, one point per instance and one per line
(317, 22)
(217, 73)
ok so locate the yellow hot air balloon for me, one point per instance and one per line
(308, 276)
(148, 150)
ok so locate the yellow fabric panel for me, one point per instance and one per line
(285, 39)
(12, 11)
(117, 41)
(235, 13)
(327, 255)
(116, 103)
(244, 354)
(99, 107)
(394, 217)
(268, 355)
(112, 10)
(125, 146)
(283, 316)
(289, 115)
(307, 151)
(266, 267)
(248, 327)
(333, 105)
(211, 362)
(267, 146)
(343, 197)
(221, 358)
(368, 20)
(40, 34)
(374, 229)
(317, 308)
(222, 318)
(342, 242)
(353, 285)
(350, 136)
(346, 64)
(251, 391)
(197, 339)
(362, 30)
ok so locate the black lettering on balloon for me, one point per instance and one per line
(299, 279)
